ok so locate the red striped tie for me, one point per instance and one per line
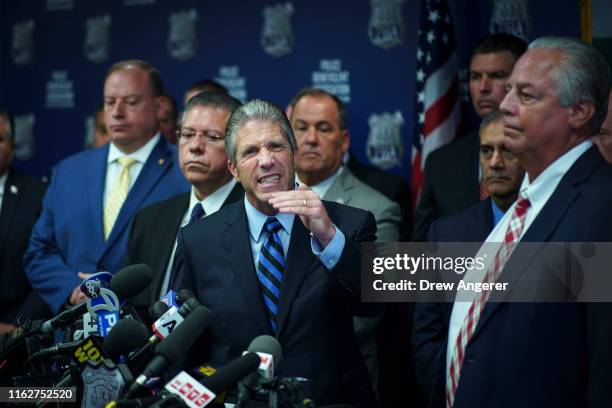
(513, 233)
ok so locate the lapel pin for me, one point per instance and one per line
(160, 161)
(14, 189)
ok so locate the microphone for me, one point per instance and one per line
(173, 348)
(157, 309)
(269, 351)
(127, 335)
(202, 393)
(163, 326)
(126, 283)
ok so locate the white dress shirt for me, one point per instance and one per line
(113, 168)
(2, 187)
(538, 192)
(322, 187)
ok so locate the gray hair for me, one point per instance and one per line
(256, 110)
(214, 99)
(583, 75)
(492, 117)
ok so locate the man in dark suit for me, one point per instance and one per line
(501, 174)
(20, 203)
(94, 195)
(203, 161)
(235, 262)
(452, 177)
(390, 185)
(535, 354)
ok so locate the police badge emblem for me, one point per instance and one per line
(384, 147)
(97, 38)
(22, 49)
(182, 40)
(511, 16)
(276, 35)
(24, 136)
(386, 27)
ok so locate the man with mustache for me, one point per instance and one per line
(452, 175)
(94, 195)
(203, 161)
(501, 174)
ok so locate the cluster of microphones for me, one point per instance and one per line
(112, 359)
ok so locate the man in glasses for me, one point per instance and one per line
(203, 161)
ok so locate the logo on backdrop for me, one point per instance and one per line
(384, 147)
(60, 91)
(97, 38)
(60, 5)
(511, 16)
(24, 136)
(386, 27)
(276, 35)
(332, 78)
(22, 49)
(182, 39)
(229, 77)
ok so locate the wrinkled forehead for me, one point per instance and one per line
(259, 131)
(493, 134)
(537, 66)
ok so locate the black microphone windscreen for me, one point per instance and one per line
(125, 336)
(131, 280)
(229, 375)
(183, 295)
(267, 344)
(157, 309)
(182, 337)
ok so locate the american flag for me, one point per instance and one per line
(438, 111)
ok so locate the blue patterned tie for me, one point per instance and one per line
(196, 213)
(270, 268)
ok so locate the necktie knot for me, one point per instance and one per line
(126, 161)
(272, 225)
(522, 204)
(196, 213)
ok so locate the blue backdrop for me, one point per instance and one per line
(54, 54)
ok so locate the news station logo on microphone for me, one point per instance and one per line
(105, 307)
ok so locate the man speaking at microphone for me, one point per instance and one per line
(281, 262)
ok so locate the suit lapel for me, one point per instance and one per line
(236, 242)
(170, 222)
(10, 201)
(97, 175)
(340, 190)
(236, 194)
(543, 226)
(299, 259)
(155, 167)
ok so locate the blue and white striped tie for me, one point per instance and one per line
(270, 268)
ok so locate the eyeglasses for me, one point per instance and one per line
(486, 153)
(185, 136)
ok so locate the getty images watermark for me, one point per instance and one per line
(460, 271)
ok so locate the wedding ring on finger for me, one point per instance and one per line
(305, 203)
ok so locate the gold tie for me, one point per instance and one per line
(118, 194)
